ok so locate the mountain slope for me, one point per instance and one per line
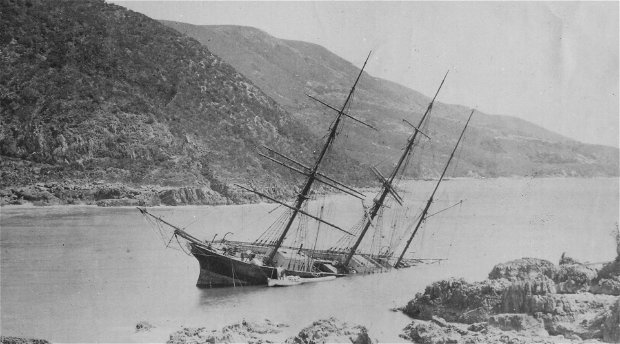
(92, 91)
(494, 146)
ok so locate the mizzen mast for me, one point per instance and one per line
(387, 187)
(424, 216)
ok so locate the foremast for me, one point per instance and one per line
(313, 172)
(387, 187)
(424, 214)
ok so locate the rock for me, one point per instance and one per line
(610, 270)
(425, 332)
(478, 327)
(20, 340)
(109, 192)
(523, 269)
(188, 195)
(243, 332)
(607, 286)
(574, 278)
(611, 325)
(143, 326)
(331, 330)
(531, 297)
(528, 296)
(38, 196)
(581, 314)
(120, 202)
(517, 322)
(607, 280)
(458, 301)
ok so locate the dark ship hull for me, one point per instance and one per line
(219, 269)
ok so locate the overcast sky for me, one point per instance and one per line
(552, 63)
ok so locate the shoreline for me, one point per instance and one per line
(103, 194)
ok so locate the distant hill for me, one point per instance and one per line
(494, 146)
(91, 91)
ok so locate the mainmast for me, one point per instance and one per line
(312, 173)
(387, 187)
(430, 200)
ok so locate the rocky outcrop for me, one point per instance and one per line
(611, 327)
(608, 279)
(242, 332)
(458, 301)
(331, 330)
(511, 328)
(525, 294)
(20, 340)
(117, 195)
(432, 332)
(574, 278)
(195, 196)
(524, 268)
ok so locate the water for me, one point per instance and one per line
(86, 274)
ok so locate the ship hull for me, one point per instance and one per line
(218, 270)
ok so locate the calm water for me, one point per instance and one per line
(87, 274)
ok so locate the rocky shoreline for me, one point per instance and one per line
(106, 194)
(522, 301)
(117, 195)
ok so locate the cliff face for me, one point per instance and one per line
(494, 146)
(92, 91)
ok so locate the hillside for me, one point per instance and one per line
(495, 145)
(91, 91)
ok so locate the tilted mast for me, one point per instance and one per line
(430, 200)
(313, 173)
(387, 187)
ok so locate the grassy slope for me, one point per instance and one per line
(495, 145)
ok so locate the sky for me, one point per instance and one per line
(552, 63)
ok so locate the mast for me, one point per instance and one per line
(312, 174)
(430, 200)
(387, 183)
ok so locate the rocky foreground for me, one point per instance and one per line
(523, 301)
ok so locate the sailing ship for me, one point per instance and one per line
(267, 259)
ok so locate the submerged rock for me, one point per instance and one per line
(143, 326)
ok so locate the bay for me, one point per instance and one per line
(89, 274)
